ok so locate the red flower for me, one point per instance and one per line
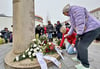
(52, 44)
(51, 47)
(47, 50)
(45, 42)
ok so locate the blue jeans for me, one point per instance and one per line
(49, 35)
(70, 49)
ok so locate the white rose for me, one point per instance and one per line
(33, 54)
(30, 56)
(40, 50)
(44, 44)
(35, 45)
(29, 53)
(27, 50)
(34, 40)
(49, 43)
(17, 58)
(23, 56)
(31, 49)
(35, 50)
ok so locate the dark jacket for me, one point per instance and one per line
(58, 28)
(38, 29)
(5, 34)
(50, 28)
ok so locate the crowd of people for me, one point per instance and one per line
(5, 36)
(82, 26)
(58, 31)
(51, 30)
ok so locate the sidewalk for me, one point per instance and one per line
(67, 63)
(4, 49)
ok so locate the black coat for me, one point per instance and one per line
(58, 27)
(38, 30)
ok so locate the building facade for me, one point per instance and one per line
(96, 13)
(38, 20)
(5, 21)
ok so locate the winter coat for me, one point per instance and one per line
(45, 30)
(50, 28)
(5, 34)
(71, 38)
(38, 29)
(58, 28)
(81, 20)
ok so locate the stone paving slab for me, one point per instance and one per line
(67, 63)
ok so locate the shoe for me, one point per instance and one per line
(80, 66)
(75, 59)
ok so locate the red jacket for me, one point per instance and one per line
(45, 30)
(71, 38)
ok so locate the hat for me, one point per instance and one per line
(66, 8)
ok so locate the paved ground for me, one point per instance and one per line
(68, 63)
(4, 49)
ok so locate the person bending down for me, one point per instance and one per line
(71, 40)
(87, 28)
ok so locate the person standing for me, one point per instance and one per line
(38, 30)
(49, 31)
(67, 24)
(54, 31)
(59, 34)
(6, 34)
(87, 28)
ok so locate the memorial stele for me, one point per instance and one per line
(23, 33)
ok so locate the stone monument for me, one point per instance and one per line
(23, 28)
(23, 33)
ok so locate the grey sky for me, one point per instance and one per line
(50, 8)
(53, 8)
(6, 7)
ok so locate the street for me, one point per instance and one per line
(67, 63)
